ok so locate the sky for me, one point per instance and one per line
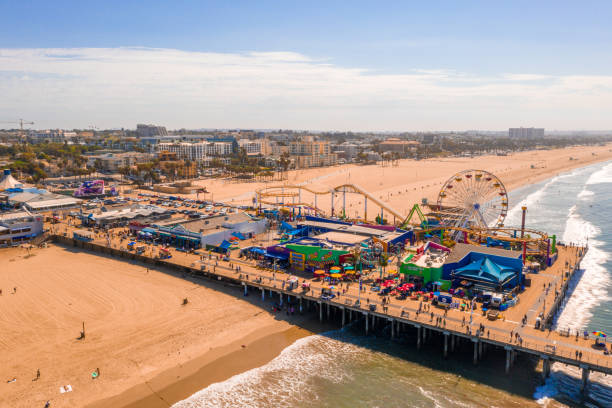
(352, 65)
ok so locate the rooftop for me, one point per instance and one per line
(460, 250)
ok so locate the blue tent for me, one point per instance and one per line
(286, 227)
(486, 272)
(225, 244)
(238, 235)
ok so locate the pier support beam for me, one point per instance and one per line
(320, 311)
(545, 367)
(418, 337)
(343, 316)
(446, 334)
(263, 295)
(246, 289)
(367, 321)
(475, 351)
(392, 328)
(508, 358)
(452, 343)
(300, 305)
(585, 379)
(328, 307)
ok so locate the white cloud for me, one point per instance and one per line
(118, 87)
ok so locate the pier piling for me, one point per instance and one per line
(508, 358)
(446, 334)
(545, 367)
(475, 351)
(585, 379)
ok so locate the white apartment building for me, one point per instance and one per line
(196, 151)
(186, 151)
(255, 147)
(526, 133)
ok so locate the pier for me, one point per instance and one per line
(452, 327)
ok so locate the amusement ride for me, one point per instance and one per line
(471, 207)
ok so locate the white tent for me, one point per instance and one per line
(8, 181)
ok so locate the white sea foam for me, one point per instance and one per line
(532, 201)
(586, 194)
(592, 288)
(604, 175)
(282, 381)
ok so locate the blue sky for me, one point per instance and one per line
(541, 48)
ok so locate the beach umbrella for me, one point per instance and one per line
(319, 272)
(599, 334)
(336, 275)
(335, 268)
(349, 272)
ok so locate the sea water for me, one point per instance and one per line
(345, 369)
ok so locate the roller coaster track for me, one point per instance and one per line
(533, 238)
(279, 191)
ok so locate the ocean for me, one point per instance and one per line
(344, 369)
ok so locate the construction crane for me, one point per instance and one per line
(21, 123)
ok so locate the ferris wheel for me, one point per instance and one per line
(473, 198)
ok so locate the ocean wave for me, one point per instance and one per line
(283, 381)
(532, 200)
(592, 287)
(585, 194)
(604, 175)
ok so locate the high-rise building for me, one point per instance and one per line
(150, 130)
(526, 133)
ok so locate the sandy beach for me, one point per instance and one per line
(150, 349)
(136, 328)
(407, 183)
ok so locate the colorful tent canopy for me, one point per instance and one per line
(336, 275)
(486, 271)
(319, 272)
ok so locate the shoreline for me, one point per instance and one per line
(224, 362)
(217, 365)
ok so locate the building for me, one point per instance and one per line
(165, 155)
(197, 151)
(255, 147)
(526, 133)
(48, 136)
(310, 153)
(187, 151)
(150, 130)
(179, 168)
(112, 162)
(41, 200)
(19, 226)
(398, 146)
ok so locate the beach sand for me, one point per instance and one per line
(407, 183)
(150, 350)
(136, 329)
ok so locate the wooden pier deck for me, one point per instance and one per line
(400, 316)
